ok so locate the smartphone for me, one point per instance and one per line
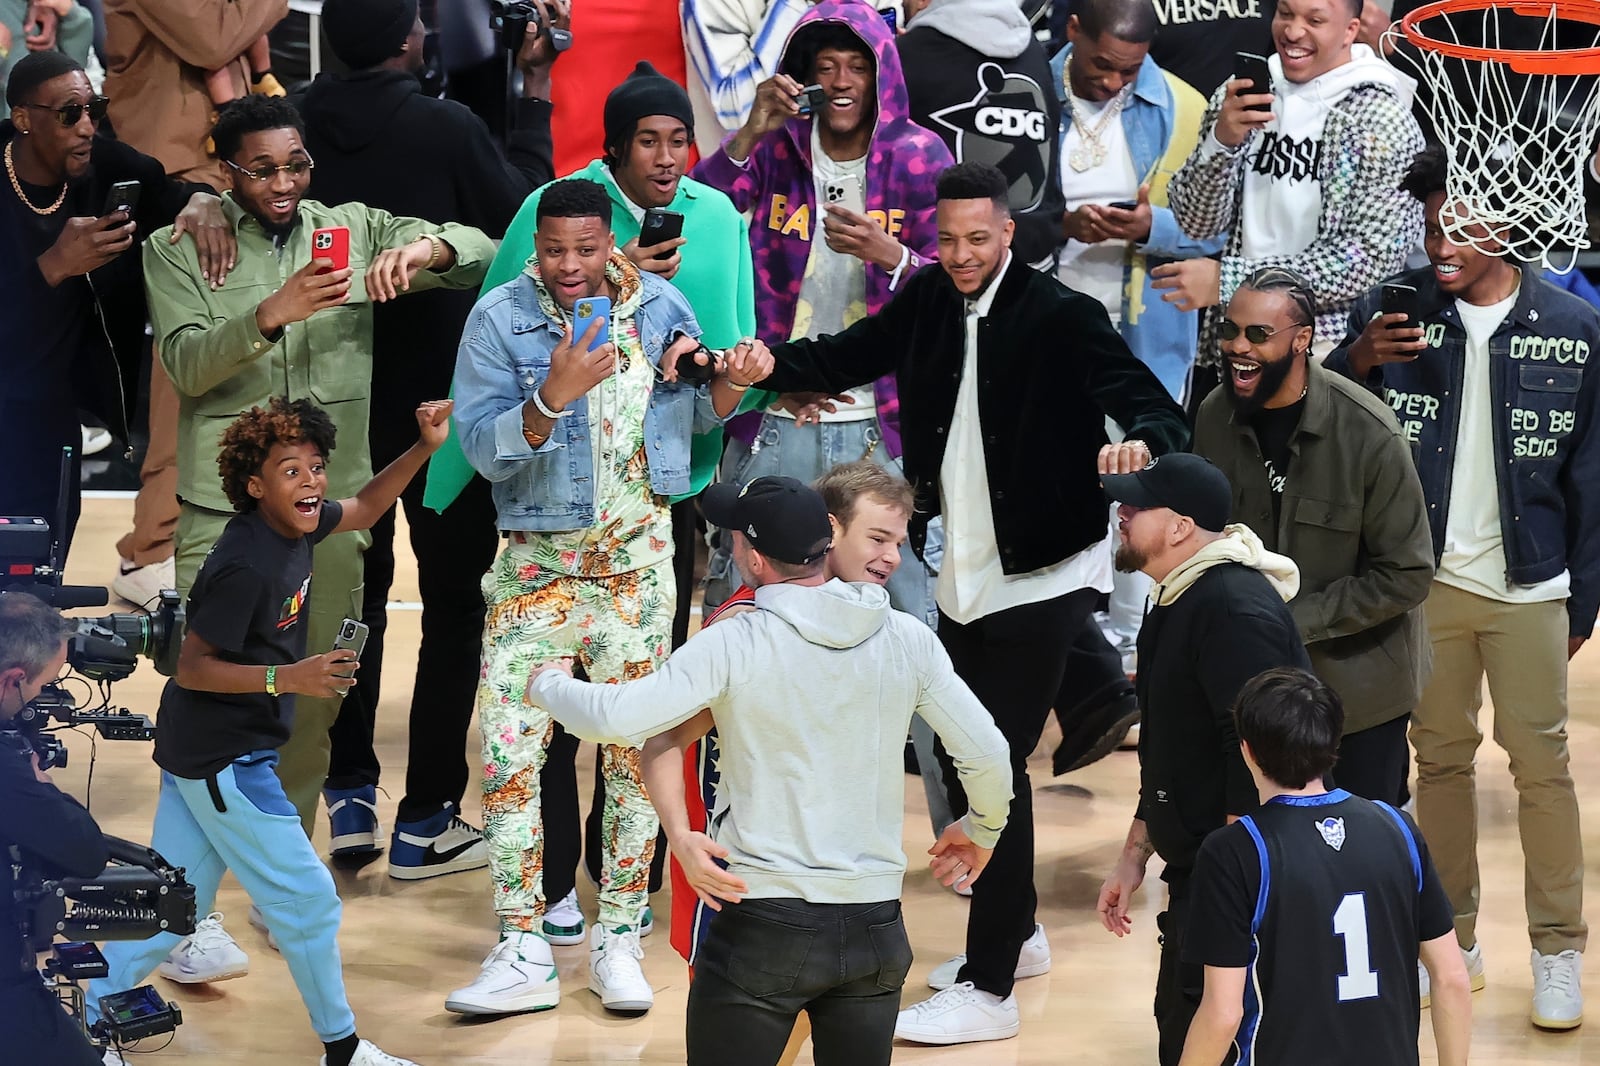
(1398, 299)
(333, 243)
(585, 312)
(891, 18)
(846, 192)
(691, 372)
(660, 225)
(123, 196)
(1124, 205)
(812, 98)
(1253, 68)
(352, 635)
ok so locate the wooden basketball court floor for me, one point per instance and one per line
(407, 944)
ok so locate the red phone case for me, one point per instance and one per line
(331, 242)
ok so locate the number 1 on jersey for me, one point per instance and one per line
(1359, 980)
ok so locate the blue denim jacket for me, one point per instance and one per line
(505, 355)
(1164, 338)
(1546, 444)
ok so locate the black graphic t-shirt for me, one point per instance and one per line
(1197, 39)
(1274, 426)
(249, 601)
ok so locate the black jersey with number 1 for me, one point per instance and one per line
(1325, 900)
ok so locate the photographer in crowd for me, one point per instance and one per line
(45, 825)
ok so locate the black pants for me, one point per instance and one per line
(1013, 661)
(38, 1030)
(1179, 985)
(766, 960)
(685, 538)
(454, 550)
(564, 842)
(1375, 763)
(1093, 676)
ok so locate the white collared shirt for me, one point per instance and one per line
(971, 582)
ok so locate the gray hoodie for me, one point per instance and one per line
(812, 695)
(993, 27)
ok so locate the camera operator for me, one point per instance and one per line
(51, 832)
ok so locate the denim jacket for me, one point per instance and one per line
(1546, 442)
(505, 356)
(1161, 123)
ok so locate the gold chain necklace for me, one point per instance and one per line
(11, 172)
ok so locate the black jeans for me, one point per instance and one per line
(564, 842)
(1375, 763)
(1179, 984)
(453, 550)
(1014, 662)
(37, 1030)
(766, 960)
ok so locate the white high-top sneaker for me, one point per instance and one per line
(614, 971)
(518, 975)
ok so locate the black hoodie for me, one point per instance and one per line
(378, 140)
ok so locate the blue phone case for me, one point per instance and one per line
(585, 311)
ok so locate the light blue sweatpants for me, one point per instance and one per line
(258, 836)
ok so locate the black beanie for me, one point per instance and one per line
(642, 93)
(33, 70)
(363, 33)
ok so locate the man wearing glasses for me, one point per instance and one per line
(65, 273)
(286, 323)
(1322, 473)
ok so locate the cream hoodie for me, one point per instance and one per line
(1238, 544)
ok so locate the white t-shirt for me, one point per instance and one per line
(971, 582)
(1474, 557)
(833, 292)
(1096, 269)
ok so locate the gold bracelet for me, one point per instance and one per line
(438, 250)
(533, 439)
(736, 387)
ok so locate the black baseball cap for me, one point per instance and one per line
(1187, 484)
(784, 519)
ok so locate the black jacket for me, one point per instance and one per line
(55, 836)
(997, 110)
(379, 141)
(1052, 367)
(1195, 654)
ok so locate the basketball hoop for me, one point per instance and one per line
(1518, 123)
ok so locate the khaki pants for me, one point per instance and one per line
(1522, 648)
(336, 594)
(155, 508)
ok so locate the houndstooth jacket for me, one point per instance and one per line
(1366, 225)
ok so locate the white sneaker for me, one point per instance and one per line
(614, 972)
(113, 1058)
(1474, 960)
(1558, 990)
(1130, 740)
(1033, 961)
(96, 439)
(518, 975)
(368, 1054)
(259, 924)
(208, 954)
(142, 585)
(960, 1014)
(563, 923)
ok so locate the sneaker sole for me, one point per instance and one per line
(972, 1036)
(1108, 742)
(1038, 969)
(1475, 983)
(624, 1006)
(526, 1004)
(179, 977)
(1557, 1024)
(454, 866)
(355, 844)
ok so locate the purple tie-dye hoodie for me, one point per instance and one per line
(777, 189)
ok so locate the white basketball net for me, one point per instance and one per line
(1518, 143)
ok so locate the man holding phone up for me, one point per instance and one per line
(1301, 172)
(288, 321)
(562, 405)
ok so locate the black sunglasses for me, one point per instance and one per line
(1230, 330)
(70, 114)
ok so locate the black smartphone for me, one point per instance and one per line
(691, 372)
(1398, 299)
(1253, 68)
(813, 98)
(1124, 205)
(660, 225)
(123, 196)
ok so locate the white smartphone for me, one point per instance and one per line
(846, 192)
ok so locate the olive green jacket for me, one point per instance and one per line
(222, 365)
(1354, 519)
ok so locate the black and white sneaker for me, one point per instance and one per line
(442, 844)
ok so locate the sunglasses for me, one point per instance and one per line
(69, 115)
(1230, 330)
(296, 169)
